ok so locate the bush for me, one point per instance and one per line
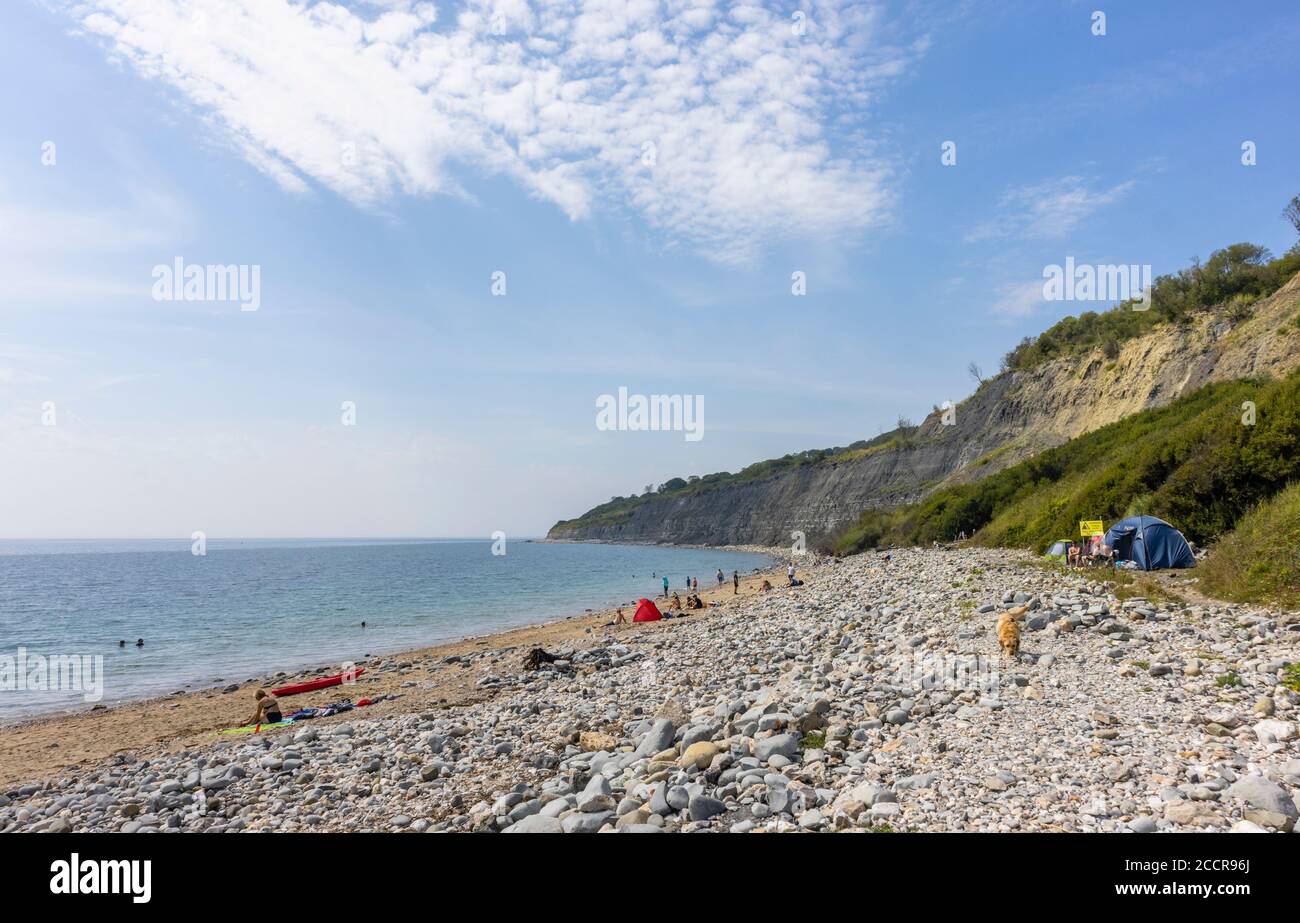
(1259, 561)
(1232, 279)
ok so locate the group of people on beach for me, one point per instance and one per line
(693, 584)
(1090, 553)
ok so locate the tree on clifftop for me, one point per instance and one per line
(1292, 213)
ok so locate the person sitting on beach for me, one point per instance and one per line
(622, 618)
(1072, 555)
(268, 709)
(767, 586)
(677, 601)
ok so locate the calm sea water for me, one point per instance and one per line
(249, 608)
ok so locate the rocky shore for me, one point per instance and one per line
(873, 698)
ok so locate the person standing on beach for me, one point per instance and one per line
(665, 587)
(695, 585)
(721, 577)
(735, 583)
(789, 571)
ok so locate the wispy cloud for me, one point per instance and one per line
(566, 97)
(1048, 210)
(1018, 299)
(49, 252)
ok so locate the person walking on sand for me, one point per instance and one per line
(735, 583)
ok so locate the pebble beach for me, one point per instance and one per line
(872, 699)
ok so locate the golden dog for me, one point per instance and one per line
(1009, 630)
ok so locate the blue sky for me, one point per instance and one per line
(379, 161)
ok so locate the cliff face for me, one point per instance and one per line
(1009, 418)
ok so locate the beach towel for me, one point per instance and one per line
(256, 728)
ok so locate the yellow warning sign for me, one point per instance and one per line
(1091, 527)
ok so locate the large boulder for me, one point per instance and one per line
(786, 745)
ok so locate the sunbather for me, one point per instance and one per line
(268, 709)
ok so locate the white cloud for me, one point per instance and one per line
(1048, 210)
(386, 99)
(1019, 299)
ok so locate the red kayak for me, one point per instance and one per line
(338, 679)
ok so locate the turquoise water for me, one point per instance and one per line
(249, 608)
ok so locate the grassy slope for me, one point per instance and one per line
(1194, 463)
(1259, 561)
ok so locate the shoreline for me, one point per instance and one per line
(309, 665)
(41, 743)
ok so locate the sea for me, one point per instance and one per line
(249, 608)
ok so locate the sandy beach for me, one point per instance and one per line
(414, 680)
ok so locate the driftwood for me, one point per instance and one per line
(534, 659)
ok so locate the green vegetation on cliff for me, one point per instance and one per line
(1200, 463)
(620, 509)
(1231, 280)
(1193, 462)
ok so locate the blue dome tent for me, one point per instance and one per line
(1150, 543)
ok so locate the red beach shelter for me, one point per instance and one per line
(646, 612)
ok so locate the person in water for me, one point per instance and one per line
(268, 709)
(139, 642)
